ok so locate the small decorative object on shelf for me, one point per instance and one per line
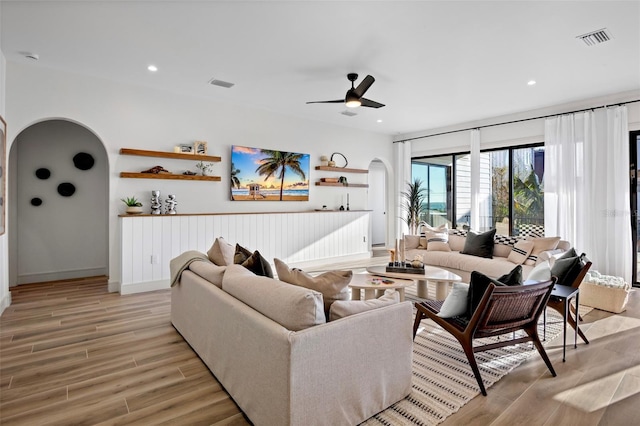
(334, 163)
(205, 168)
(200, 147)
(343, 180)
(171, 204)
(156, 203)
(324, 161)
(188, 173)
(133, 205)
(186, 149)
(156, 170)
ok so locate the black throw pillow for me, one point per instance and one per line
(258, 265)
(512, 278)
(480, 245)
(477, 286)
(241, 255)
(567, 270)
(569, 253)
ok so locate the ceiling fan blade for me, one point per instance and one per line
(371, 104)
(337, 101)
(364, 86)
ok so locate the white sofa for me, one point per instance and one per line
(302, 373)
(464, 264)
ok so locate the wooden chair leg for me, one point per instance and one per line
(416, 324)
(535, 338)
(468, 350)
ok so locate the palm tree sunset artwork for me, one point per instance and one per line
(268, 175)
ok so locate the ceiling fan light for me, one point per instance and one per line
(353, 103)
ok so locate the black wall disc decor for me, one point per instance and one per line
(83, 161)
(35, 201)
(43, 173)
(66, 189)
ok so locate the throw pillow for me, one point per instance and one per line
(512, 278)
(569, 253)
(221, 252)
(567, 270)
(541, 272)
(477, 287)
(332, 284)
(520, 251)
(425, 227)
(344, 308)
(456, 302)
(438, 240)
(241, 254)
(411, 242)
(540, 245)
(480, 245)
(258, 265)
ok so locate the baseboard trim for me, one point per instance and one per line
(61, 275)
(5, 302)
(113, 286)
(144, 287)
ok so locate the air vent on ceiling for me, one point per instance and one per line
(596, 37)
(220, 83)
(348, 113)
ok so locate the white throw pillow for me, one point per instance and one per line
(221, 252)
(456, 302)
(540, 245)
(344, 308)
(542, 272)
(411, 242)
(438, 240)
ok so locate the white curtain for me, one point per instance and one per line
(402, 156)
(586, 185)
(474, 220)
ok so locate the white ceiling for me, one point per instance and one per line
(435, 63)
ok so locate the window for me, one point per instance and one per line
(511, 195)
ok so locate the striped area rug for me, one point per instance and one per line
(442, 378)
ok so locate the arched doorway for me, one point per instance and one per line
(59, 204)
(378, 202)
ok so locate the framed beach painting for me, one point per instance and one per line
(267, 175)
(3, 172)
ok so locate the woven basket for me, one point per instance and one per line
(604, 298)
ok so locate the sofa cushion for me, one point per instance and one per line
(293, 307)
(344, 308)
(477, 286)
(456, 261)
(411, 242)
(480, 245)
(456, 303)
(438, 240)
(209, 271)
(520, 251)
(221, 252)
(540, 245)
(541, 272)
(512, 278)
(334, 285)
(258, 265)
(456, 242)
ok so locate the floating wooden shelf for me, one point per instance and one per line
(175, 155)
(351, 185)
(341, 169)
(168, 176)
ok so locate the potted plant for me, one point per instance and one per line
(133, 205)
(413, 204)
(205, 168)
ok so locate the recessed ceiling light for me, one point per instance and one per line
(152, 68)
(378, 121)
(531, 82)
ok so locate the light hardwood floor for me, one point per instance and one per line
(72, 353)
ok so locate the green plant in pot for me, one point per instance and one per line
(413, 206)
(133, 205)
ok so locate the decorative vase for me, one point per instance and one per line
(134, 210)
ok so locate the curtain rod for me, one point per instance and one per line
(515, 121)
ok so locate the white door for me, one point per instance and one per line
(377, 202)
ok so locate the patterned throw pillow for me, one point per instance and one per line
(520, 251)
(438, 241)
(425, 228)
(540, 245)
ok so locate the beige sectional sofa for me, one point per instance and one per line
(464, 264)
(269, 345)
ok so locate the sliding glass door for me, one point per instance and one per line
(634, 166)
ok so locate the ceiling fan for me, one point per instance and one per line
(354, 98)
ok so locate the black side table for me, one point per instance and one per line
(564, 294)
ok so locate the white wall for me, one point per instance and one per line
(64, 237)
(138, 117)
(5, 295)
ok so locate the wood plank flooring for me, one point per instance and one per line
(72, 353)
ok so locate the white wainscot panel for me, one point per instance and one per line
(305, 239)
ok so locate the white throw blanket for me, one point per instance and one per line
(595, 277)
(178, 264)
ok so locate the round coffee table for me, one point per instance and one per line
(440, 277)
(374, 286)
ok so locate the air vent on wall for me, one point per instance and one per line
(348, 113)
(596, 37)
(220, 83)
